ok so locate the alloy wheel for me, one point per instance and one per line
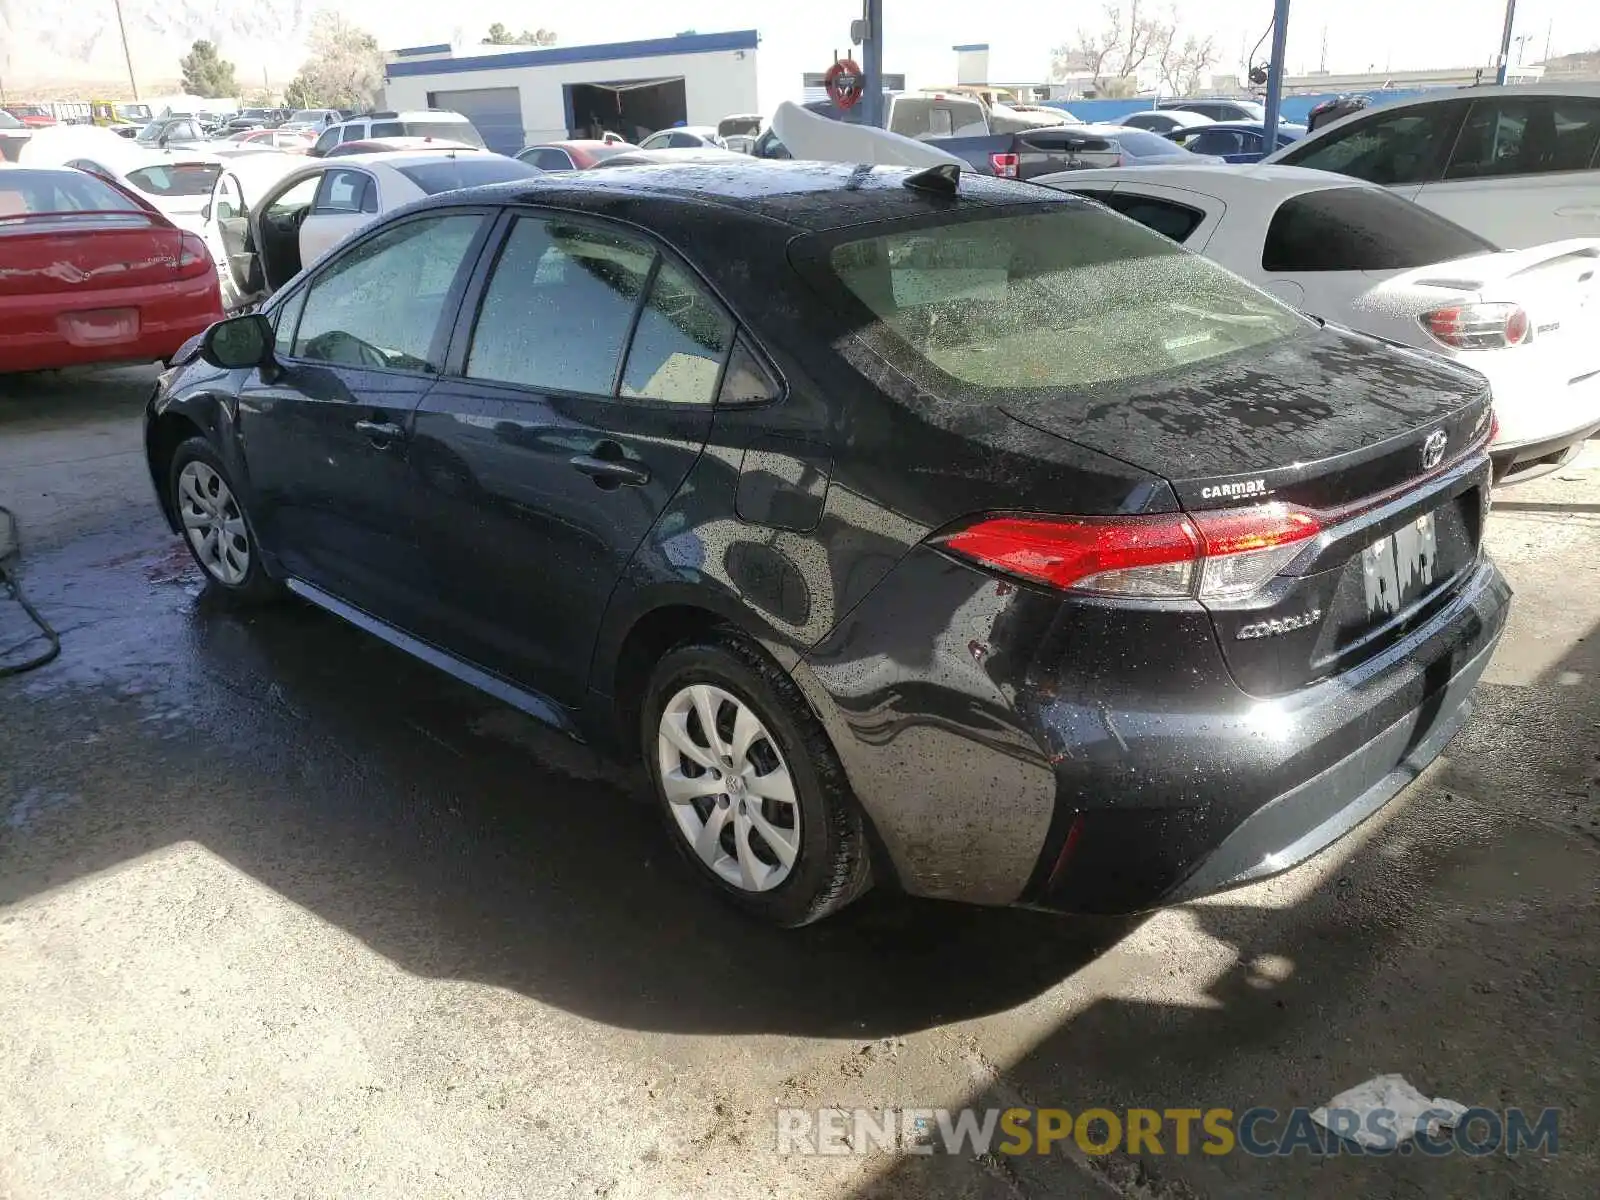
(728, 788)
(214, 524)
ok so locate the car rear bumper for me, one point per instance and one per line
(35, 336)
(1021, 753)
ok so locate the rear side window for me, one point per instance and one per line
(557, 309)
(1390, 148)
(1526, 136)
(387, 129)
(682, 141)
(1361, 229)
(1171, 220)
(548, 158)
(1215, 141)
(185, 179)
(1141, 145)
(328, 140)
(1069, 298)
(448, 173)
(679, 344)
(352, 133)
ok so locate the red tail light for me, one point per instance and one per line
(193, 257)
(1209, 555)
(1478, 326)
(1005, 165)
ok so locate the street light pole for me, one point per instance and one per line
(872, 65)
(1505, 43)
(126, 54)
(1280, 41)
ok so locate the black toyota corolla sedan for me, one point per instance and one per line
(952, 534)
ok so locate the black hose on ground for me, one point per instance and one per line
(10, 547)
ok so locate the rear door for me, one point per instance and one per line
(1524, 170)
(326, 431)
(578, 396)
(346, 200)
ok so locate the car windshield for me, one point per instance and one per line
(25, 193)
(449, 131)
(309, 115)
(132, 112)
(180, 179)
(1140, 145)
(449, 172)
(1073, 297)
(7, 121)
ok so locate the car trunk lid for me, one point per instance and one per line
(1383, 444)
(83, 253)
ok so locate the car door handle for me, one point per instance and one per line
(610, 470)
(380, 431)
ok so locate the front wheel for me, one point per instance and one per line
(215, 526)
(752, 792)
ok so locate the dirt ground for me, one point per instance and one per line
(286, 914)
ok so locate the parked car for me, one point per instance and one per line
(1218, 110)
(1234, 141)
(1163, 120)
(319, 203)
(289, 141)
(954, 534)
(14, 135)
(678, 156)
(684, 137)
(1356, 254)
(314, 119)
(1517, 165)
(398, 145)
(253, 118)
(178, 185)
(92, 274)
(175, 133)
(578, 154)
(426, 123)
(32, 116)
(126, 119)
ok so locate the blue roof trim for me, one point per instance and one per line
(974, 46)
(441, 48)
(698, 43)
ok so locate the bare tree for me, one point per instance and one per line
(1181, 65)
(1132, 37)
(343, 70)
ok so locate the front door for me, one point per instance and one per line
(573, 409)
(326, 432)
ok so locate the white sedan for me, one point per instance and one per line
(1356, 254)
(268, 234)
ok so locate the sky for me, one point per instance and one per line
(799, 37)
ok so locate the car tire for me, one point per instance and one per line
(215, 527)
(821, 830)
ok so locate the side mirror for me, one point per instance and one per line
(238, 342)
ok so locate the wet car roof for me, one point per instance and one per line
(807, 195)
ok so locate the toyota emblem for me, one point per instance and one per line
(1433, 449)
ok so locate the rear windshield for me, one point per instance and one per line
(184, 179)
(1361, 229)
(309, 115)
(447, 174)
(25, 192)
(921, 117)
(1140, 145)
(1069, 298)
(449, 131)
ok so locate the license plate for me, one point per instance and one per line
(100, 325)
(1400, 567)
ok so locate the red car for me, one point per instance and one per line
(89, 273)
(33, 116)
(576, 155)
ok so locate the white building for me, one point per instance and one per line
(517, 97)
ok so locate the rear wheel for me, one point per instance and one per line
(215, 527)
(750, 788)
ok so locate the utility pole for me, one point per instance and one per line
(872, 64)
(1549, 32)
(126, 53)
(1280, 43)
(1505, 43)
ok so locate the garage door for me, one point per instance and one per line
(497, 113)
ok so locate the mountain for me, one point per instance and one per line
(47, 48)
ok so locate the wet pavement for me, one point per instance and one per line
(284, 913)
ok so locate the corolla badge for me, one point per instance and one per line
(1279, 625)
(1433, 449)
